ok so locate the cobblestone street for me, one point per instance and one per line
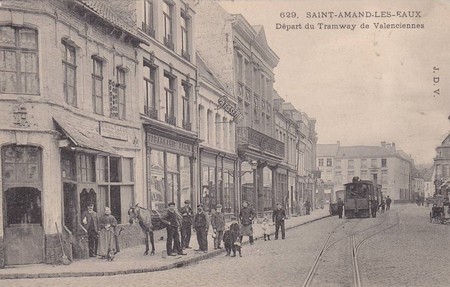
(406, 254)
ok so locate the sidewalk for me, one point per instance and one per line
(132, 260)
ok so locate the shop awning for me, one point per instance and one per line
(84, 138)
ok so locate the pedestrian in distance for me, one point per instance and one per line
(340, 206)
(218, 226)
(266, 229)
(201, 226)
(107, 239)
(90, 223)
(388, 203)
(172, 219)
(278, 217)
(383, 205)
(308, 207)
(246, 216)
(186, 224)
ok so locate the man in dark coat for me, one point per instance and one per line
(201, 226)
(173, 221)
(308, 207)
(246, 216)
(186, 225)
(388, 203)
(218, 226)
(89, 219)
(278, 216)
(340, 206)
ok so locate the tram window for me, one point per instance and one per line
(23, 206)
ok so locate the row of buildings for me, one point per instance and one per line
(123, 102)
(384, 164)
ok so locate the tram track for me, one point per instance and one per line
(355, 247)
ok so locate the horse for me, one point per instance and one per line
(144, 218)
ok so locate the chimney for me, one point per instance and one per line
(388, 146)
(393, 146)
(338, 143)
(383, 144)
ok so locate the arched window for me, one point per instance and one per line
(19, 71)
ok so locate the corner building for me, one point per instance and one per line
(68, 131)
(244, 61)
(167, 103)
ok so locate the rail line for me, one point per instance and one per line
(355, 247)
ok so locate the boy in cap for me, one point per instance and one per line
(201, 226)
(218, 225)
(186, 225)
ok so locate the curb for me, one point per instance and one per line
(179, 264)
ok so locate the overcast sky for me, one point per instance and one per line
(367, 85)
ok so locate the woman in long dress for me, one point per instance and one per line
(107, 239)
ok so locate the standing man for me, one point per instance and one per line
(218, 225)
(186, 225)
(308, 207)
(340, 206)
(173, 222)
(246, 217)
(90, 223)
(278, 216)
(201, 226)
(388, 203)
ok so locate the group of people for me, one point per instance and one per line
(102, 239)
(186, 220)
(102, 236)
(383, 205)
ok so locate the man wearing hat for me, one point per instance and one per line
(186, 225)
(201, 226)
(278, 216)
(246, 217)
(218, 225)
(89, 219)
(173, 222)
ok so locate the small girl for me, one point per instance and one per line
(265, 228)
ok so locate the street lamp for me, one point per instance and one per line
(254, 165)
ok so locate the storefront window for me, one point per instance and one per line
(185, 178)
(156, 181)
(208, 186)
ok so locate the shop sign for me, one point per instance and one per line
(109, 130)
(229, 108)
(169, 144)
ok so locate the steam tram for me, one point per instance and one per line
(361, 198)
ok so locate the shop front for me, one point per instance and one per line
(217, 178)
(92, 171)
(170, 168)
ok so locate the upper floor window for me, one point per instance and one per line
(97, 86)
(184, 20)
(121, 85)
(169, 85)
(383, 162)
(186, 107)
(320, 161)
(363, 163)
(239, 69)
(167, 21)
(148, 18)
(329, 162)
(70, 68)
(373, 162)
(150, 91)
(18, 60)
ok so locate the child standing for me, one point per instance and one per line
(265, 228)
